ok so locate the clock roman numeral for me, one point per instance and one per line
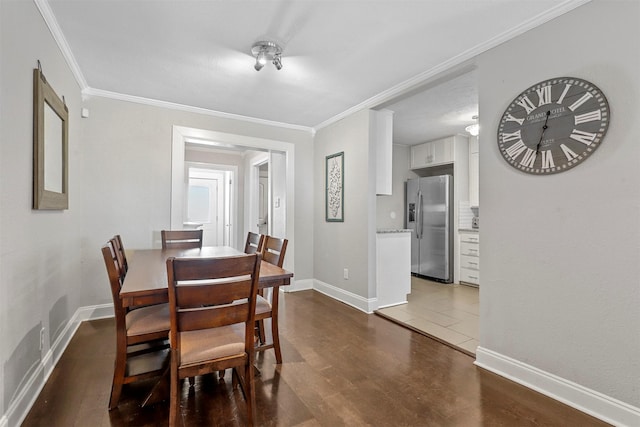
(547, 160)
(526, 104)
(516, 149)
(529, 158)
(510, 118)
(588, 117)
(579, 102)
(544, 95)
(585, 137)
(570, 155)
(564, 93)
(506, 137)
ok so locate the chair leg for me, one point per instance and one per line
(119, 368)
(261, 334)
(174, 396)
(250, 394)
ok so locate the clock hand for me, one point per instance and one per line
(544, 128)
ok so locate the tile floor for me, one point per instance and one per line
(448, 313)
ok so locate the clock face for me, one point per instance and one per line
(553, 126)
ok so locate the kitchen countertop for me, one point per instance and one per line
(394, 230)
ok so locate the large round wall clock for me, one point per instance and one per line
(553, 125)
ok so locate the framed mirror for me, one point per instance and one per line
(50, 146)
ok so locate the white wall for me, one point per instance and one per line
(560, 254)
(279, 200)
(340, 245)
(40, 251)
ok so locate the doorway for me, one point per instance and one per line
(209, 204)
(280, 156)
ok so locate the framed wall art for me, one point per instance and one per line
(334, 193)
(50, 146)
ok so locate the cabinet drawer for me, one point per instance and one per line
(467, 248)
(470, 237)
(470, 276)
(471, 262)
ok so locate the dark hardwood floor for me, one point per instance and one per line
(341, 367)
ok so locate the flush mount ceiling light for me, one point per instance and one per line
(474, 128)
(265, 51)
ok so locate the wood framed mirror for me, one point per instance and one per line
(50, 146)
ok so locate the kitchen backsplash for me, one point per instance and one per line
(465, 215)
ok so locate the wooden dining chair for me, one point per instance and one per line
(141, 334)
(122, 256)
(273, 252)
(117, 259)
(254, 243)
(181, 239)
(212, 306)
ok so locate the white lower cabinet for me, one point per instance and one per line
(470, 257)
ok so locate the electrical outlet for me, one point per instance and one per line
(346, 274)
(41, 338)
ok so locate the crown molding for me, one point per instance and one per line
(56, 32)
(456, 61)
(174, 106)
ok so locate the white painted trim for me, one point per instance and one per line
(58, 36)
(299, 285)
(182, 107)
(582, 398)
(457, 60)
(27, 395)
(363, 304)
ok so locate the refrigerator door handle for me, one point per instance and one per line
(420, 225)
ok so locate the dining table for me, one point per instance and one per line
(146, 282)
(146, 279)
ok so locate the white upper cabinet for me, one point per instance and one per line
(382, 132)
(432, 153)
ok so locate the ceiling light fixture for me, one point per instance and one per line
(265, 51)
(474, 128)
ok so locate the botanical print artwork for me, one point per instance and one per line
(334, 191)
(335, 188)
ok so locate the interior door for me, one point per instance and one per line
(205, 204)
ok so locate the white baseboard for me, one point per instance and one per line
(27, 395)
(363, 304)
(586, 400)
(299, 285)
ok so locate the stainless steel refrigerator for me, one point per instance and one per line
(430, 217)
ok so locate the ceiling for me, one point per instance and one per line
(339, 56)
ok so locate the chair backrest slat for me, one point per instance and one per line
(196, 319)
(210, 293)
(254, 244)
(274, 250)
(122, 256)
(181, 239)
